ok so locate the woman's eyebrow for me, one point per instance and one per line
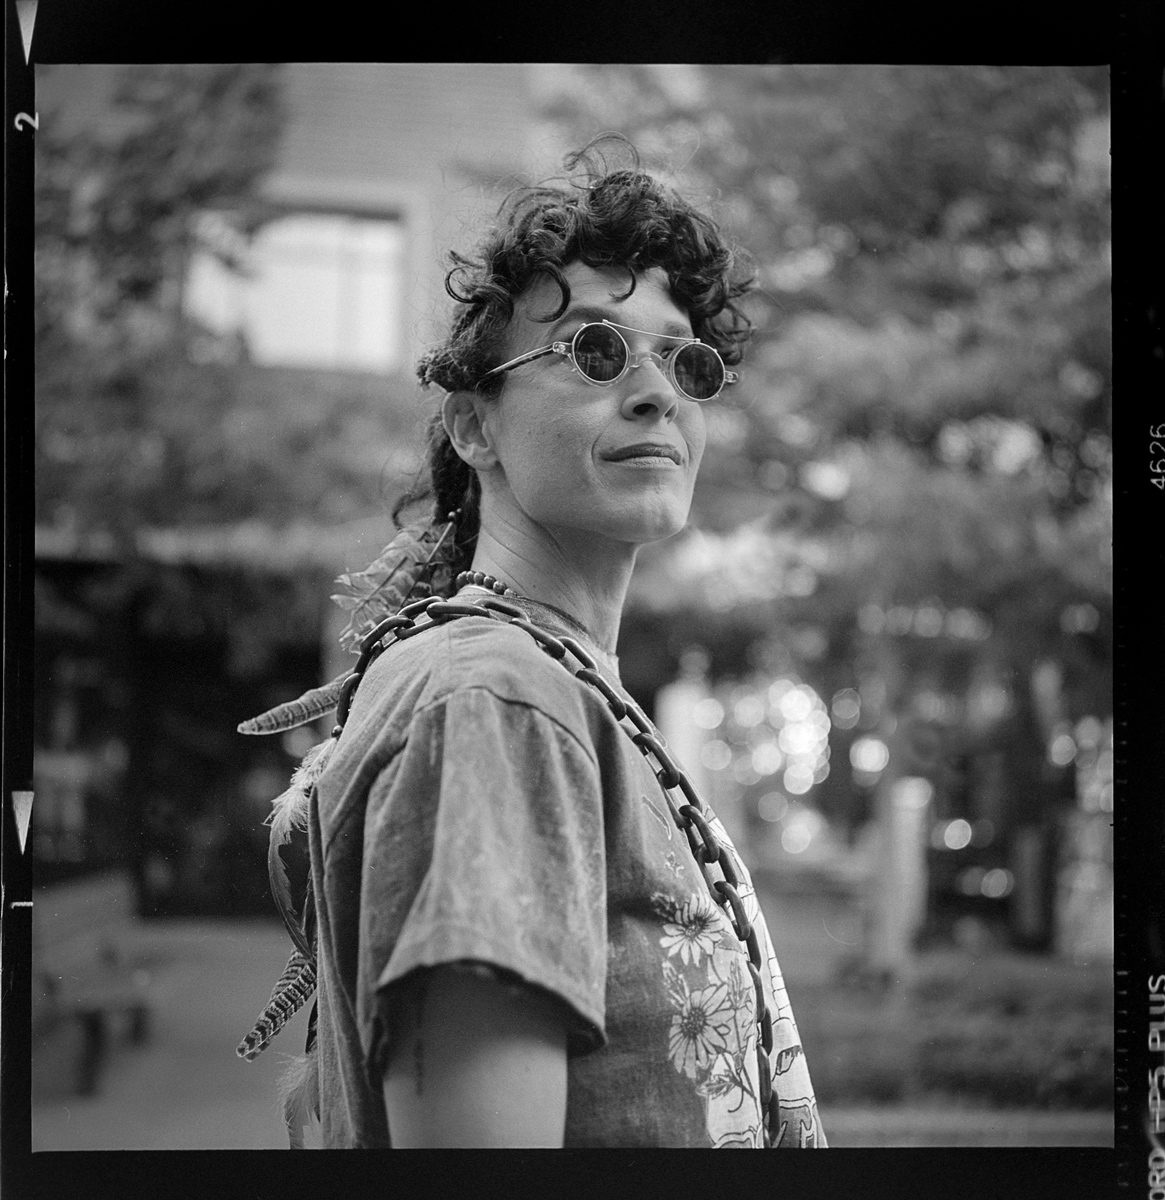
(583, 313)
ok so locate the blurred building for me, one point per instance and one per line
(147, 659)
(381, 169)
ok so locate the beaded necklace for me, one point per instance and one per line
(490, 583)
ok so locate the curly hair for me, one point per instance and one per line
(615, 218)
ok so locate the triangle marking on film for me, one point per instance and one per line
(22, 808)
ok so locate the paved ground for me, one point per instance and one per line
(186, 1089)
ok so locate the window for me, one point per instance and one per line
(315, 290)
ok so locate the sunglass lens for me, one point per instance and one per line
(698, 371)
(599, 353)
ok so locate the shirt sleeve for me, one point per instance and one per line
(484, 843)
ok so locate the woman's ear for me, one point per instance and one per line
(463, 415)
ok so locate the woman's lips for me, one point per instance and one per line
(646, 450)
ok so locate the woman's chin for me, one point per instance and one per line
(637, 527)
(657, 528)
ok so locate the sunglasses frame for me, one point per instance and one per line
(667, 365)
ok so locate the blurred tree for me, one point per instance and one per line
(116, 205)
(119, 197)
(920, 453)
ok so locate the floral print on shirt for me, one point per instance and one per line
(713, 1031)
(693, 932)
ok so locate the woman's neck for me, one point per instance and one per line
(590, 589)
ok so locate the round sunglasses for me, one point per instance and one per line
(600, 354)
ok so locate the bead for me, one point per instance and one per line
(481, 579)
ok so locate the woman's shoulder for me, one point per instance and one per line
(506, 660)
(470, 653)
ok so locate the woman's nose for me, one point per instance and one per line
(649, 391)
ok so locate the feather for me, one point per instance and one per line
(281, 893)
(298, 1087)
(403, 568)
(407, 565)
(289, 812)
(312, 1027)
(290, 994)
(308, 707)
(309, 931)
(290, 808)
(368, 596)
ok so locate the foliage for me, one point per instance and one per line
(1008, 1031)
(116, 201)
(924, 418)
(117, 208)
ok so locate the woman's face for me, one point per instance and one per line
(561, 443)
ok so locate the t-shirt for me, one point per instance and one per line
(483, 806)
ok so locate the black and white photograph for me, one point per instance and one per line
(572, 605)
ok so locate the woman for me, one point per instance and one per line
(527, 928)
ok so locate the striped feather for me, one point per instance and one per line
(291, 992)
(308, 707)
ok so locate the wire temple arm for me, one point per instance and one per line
(529, 356)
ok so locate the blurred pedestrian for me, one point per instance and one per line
(525, 926)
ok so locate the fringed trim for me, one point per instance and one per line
(290, 994)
